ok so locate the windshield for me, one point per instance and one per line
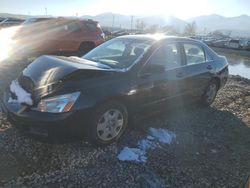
(120, 52)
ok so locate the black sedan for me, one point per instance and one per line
(97, 93)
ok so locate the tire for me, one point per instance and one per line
(108, 123)
(85, 48)
(210, 93)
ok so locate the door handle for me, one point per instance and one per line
(209, 67)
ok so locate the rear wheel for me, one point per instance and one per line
(210, 93)
(108, 123)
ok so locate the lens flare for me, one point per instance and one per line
(6, 41)
(158, 36)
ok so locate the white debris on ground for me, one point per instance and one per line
(132, 154)
(162, 135)
(155, 138)
(22, 95)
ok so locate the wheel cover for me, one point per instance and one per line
(110, 124)
(211, 93)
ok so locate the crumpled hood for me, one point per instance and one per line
(46, 71)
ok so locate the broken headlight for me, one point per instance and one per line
(58, 104)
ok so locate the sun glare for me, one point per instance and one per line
(6, 41)
(158, 36)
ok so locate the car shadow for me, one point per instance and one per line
(209, 143)
(189, 118)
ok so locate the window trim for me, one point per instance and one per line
(210, 59)
(196, 44)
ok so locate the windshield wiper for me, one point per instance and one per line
(101, 63)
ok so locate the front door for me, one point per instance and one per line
(160, 79)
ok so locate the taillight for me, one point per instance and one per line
(103, 35)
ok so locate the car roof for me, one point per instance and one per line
(39, 17)
(158, 37)
(78, 19)
(72, 18)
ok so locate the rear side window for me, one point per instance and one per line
(167, 55)
(73, 27)
(91, 26)
(42, 19)
(194, 54)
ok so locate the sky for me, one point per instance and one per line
(183, 9)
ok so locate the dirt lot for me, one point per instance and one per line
(211, 149)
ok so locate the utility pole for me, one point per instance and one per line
(113, 22)
(132, 19)
(46, 11)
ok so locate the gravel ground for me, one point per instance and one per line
(210, 149)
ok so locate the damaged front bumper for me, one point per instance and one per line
(40, 123)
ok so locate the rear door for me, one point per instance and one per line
(63, 35)
(198, 69)
(69, 37)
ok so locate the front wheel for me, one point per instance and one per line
(209, 93)
(108, 123)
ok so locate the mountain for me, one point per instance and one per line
(238, 26)
(164, 21)
(106, 19)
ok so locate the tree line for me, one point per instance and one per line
(189, 30)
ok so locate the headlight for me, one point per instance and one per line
(58, 104)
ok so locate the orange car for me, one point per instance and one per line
(57, 36)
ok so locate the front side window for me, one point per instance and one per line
(120, 52)
(167, 55)
(194, 54)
